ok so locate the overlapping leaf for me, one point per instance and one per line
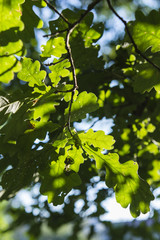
(30, 20)
(10, 13)
(59, 70)
(147, 77)
(54, 47)
(145, 31)
(45, 106)
(56, 183)
(17, 24)
(76, 158)
(31, 73)
(129, 187)
(85, 103)
(97, 139)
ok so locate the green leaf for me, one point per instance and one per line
(147, 77)
(61, 141)
(59, 70)
(11, 24)
(17, 178)
(56, 183)
(93, 34)
(9, 65)
(54, 47)
(30, 20)
(97, 139)
(45, 106)
(76, 155)
(16, 122)
(128, 186)
(10, 45)
(85, 103)
(154, 173)
(31, 73)
(66, 91)
(10, 14)
(145, 31)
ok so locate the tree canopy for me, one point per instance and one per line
(45, 91)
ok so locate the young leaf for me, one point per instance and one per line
(97, 139)
(85, 103)
(10, 14)
(54, 47)
(76, 155)
(60, 142)
(31, 73)
(9, 42)
(59, 70)
(9, 63)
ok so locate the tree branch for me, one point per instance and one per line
(90, 7)
(130, 36)
(68, 48)
(56, 33)
(71, 29)
(55, 10)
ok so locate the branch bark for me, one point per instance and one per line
(69, 31)
(55, 10)
(130, 36)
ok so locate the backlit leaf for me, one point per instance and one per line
(59, 70)
(128, 186)
(10, 14)
(147, 77)
(31, 73)
(146, 31)
(54, 47)
(76, 155)
(56, 183)
(85, 103)
(97, 139)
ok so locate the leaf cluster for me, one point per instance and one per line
(42, 98)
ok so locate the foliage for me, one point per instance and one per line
(43, 94)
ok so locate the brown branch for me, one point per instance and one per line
(90, 7)
(130, 36)
(55, 10)
(71, 29)
(68, 48)
(70, 57)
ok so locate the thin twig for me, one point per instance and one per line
(69, 112)
(90, 7)
(71, 58)
(56, 33)
(51, 64)
(92, 125)
(65, 91)
(130, 36)
(68, 48)
(55, 10)
(75, 24)
(73, 74)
